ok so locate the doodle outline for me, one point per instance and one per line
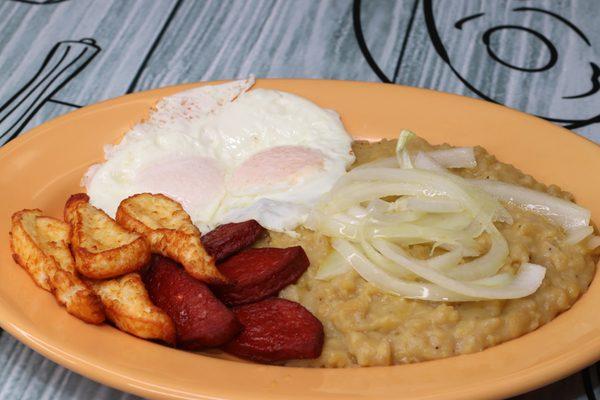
(442, 53)
(22, 120)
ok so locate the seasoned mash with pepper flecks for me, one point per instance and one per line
(365, 326)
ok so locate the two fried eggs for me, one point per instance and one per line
(228, 154)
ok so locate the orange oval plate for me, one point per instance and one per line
(41, 168)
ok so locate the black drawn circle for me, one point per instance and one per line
(439, 47)
(551, 49)
(443, 54)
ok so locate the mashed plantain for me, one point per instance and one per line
(366, 327)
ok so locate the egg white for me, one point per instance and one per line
(215, 148)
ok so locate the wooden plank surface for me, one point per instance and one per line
(135, 45)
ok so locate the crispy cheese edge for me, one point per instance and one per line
(106, 264)
(129, 307)
(182, 246)
(27, 253)
(67, 288)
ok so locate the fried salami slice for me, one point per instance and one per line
(200, 319)
(256, 274)
(229, 239)
(276, 330)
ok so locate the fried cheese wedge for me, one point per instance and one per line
(25, 250)
(171, 233)
(102, 248)
(41, 246)
(129, 307)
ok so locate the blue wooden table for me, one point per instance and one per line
(541, 57)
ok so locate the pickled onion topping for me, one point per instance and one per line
(378, 211)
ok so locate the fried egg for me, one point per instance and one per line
(228, 154)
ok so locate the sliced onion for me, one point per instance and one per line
(360, 192)
(404, 137)
(467, 251)
(409, 230)
(406, 162)
(387, 213)
(486, 265)
(457, 157)
(563, 212)
(386, 282)
(401, 152)
(389, 266)
(593, 243)
(445, 261)
(433, 205)
(378, 206)
(454, 221)
(395, 218)
(430, 205)
(475, 229)
(423, 161)
(357, 212)
(333, 265)
(576, 235)
(334, 227)
(490, 206)
(428, 183)
(527, 280)
(384, 162)
(500, 279)
(416, 241)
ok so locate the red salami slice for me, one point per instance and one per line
(276, 330)
(229, 239)
(201, 320)
(256, 274)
